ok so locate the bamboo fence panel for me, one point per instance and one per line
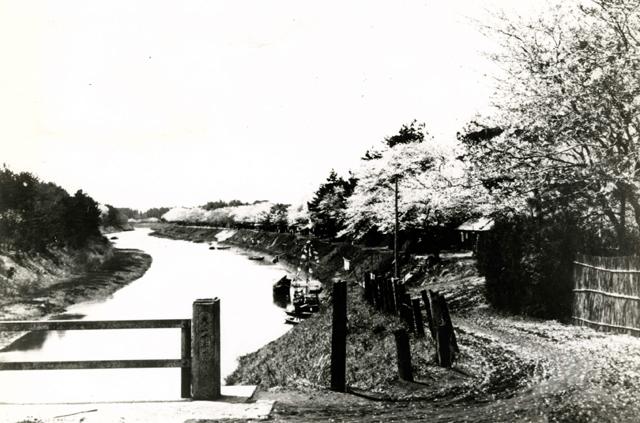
(607, 293)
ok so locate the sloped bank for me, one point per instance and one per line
(39, 286)
(510, 368)
(301, 357)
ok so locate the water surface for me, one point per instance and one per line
(181, 272)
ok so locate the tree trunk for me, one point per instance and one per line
(622, 225)
(632, 198)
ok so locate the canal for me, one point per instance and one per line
(181, 272)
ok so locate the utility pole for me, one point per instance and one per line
(395, 233)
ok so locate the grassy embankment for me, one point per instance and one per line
(40, 285)
(301, 358)
(510, 368)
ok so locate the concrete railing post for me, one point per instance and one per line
(205, 366)
(185, 348)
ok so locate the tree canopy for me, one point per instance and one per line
(566, 131)
(35, 215)
(432, 188)
(327, 207)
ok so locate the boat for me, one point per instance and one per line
(212, 247)
(281, 299)
(282, 286)
(303, 314)
(312, 302)
(256, 258)
(223, 248)
(293, 320)
(315, 287)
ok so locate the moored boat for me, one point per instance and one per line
(303, 314)
(293, 320)
(282, 286)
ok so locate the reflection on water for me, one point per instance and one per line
(31, 341)
(67, 316)
(281, 299)
(181, 272)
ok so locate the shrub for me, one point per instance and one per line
(527, 263)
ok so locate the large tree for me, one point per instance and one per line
(35, 215)
(326, 208)
(567, 129)
(432, 189)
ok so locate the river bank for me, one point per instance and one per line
(510, 368)
(42, 286)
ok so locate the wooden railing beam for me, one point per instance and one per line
(19, 326)
(93, 364)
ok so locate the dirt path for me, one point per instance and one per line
(510, 369)
(535, 372)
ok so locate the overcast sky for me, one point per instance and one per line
(153, 103)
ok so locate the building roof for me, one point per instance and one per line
(478, 225)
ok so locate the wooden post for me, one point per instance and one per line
(434, 305)
(339, 337)
(205, 367)
(379, 295)
(391, 296)
(427, 307)
(367, 288)
(408, 312)
(400, 291)
(444, 352)
(446, 319)
(374, 293)
(385, 296)
(185, 375)
(417, 317)
(394, 282)
(395, 231)
(404, 355)
(446, 344)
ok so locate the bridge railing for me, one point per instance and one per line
(199, 361)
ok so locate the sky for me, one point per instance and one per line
(153, 103)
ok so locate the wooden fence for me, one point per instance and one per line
(606, 293)
(199, 361)
(390, 296)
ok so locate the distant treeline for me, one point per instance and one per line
(360, 207)
(234, 214)
(35, 215)
(155, 212)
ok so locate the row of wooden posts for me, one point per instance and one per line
(391, 297)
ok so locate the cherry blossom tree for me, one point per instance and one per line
(565, 134)
(433, 189)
